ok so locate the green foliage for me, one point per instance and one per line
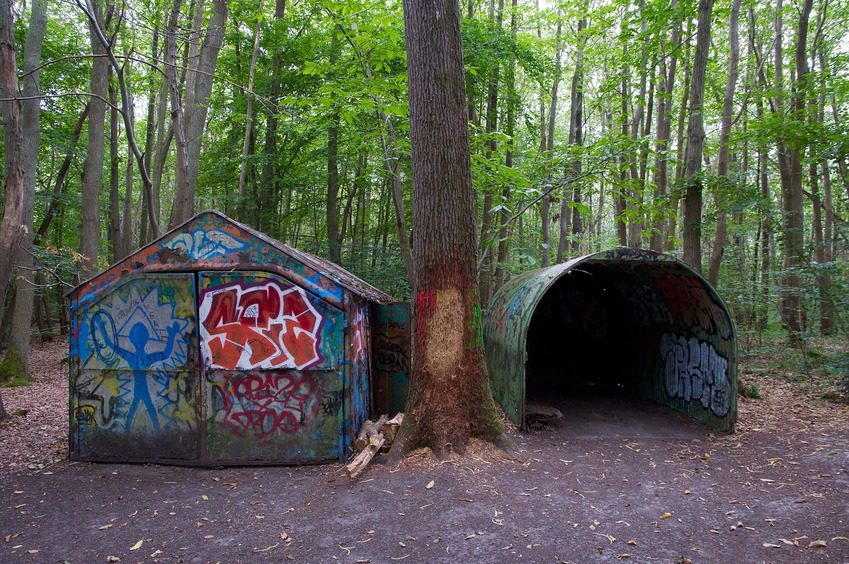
(750, 390)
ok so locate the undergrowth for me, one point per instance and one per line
(819, 366)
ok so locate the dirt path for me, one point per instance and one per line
(775, 491)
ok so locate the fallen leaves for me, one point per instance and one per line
(137, 546)
(817, 544)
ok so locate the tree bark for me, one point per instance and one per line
(450, 400)
(93, 169)
(486, 273)
(249, 117)
(724, 137)
(114, 228)
(695, 141)
(10, 112)
(663, 129)
(504, 230)
(194, 107)
(19, 338)
(545, 202)
(790, 155)
(576, 134)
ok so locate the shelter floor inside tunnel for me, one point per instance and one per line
(590, 413)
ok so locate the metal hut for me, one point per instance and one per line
(624, 319)
(218, 345)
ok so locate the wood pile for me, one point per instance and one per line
(374, 436)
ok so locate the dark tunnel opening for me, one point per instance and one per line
(582, 336)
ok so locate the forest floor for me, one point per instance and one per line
(615, 482)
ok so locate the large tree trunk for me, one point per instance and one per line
(19, 338)
(93, 169)
(450, 400)
(695, 141)
(724, 138)
(14, 156)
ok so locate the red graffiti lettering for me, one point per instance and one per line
(268, 326)
(262, 405)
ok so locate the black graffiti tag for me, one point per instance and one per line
(695, 371)
(389, 356)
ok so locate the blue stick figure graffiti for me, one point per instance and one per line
(138, 359)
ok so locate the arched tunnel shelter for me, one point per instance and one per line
(623, 319)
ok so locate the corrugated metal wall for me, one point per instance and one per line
(623, 318)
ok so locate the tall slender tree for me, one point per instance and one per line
(724, 137)
(695, 142)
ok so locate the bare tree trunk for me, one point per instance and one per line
(21, 333)
(663, 132)
(545, 202)
(450, 400)
(10, 112)
(249, 115)
(113, 229)
(695, 140)
(486, 273)
(390, 157)
(576, 135)
(790, 156)
(128, 227)
(93, 169)
(505, 231)
(724, 137)
(195, 106)
(821, 206)
(672, 224)
(623, 223)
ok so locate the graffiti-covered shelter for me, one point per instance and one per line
(217, 345)
(621, 319)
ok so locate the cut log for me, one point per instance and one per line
(368, 430)
(361, 460)
(390, 430)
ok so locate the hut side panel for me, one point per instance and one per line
(272, 357)
(391, 350)
(135, 387)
